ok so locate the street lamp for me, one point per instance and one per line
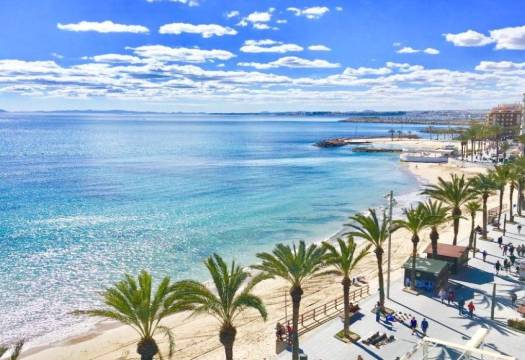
(391, 202)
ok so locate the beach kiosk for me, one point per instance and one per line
(431, 274)
(456, 256)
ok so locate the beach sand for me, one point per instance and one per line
(197, 337)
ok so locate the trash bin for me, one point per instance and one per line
(303, 357)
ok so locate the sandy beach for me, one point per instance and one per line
(197, 337)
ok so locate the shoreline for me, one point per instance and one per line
(109, 340)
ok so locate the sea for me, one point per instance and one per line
(85, 198)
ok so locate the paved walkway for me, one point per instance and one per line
(445, 322)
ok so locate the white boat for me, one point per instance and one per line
(423, 157)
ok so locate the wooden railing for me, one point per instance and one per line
(322, 313)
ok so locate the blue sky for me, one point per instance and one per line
(240, 55)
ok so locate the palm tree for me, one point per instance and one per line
(15, 352)
(227, 301)
(514, 182)
(437, 214)
(392, 132)
(416, 220)
(473, 207)
(455, 193)
(521, 140)
(501, 176)
(134, 303)
(344, 260)
(295, 265)
(519, 167)
(484, 185)
(376, 232)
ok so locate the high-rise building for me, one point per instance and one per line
(509, 117)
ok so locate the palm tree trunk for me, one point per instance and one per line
(485, 215)
(520, 196)
(379, 256)
(472, 150)
(147, 348)
(346, 298)
(227, 337)
(456, 214)
(471, 238)
(415, 240)
(511, 194)
(434, 237)
(296, 293)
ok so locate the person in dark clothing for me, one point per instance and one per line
(519, 228)
(513, 298)
(424, 326)
(378, 314)
(511, 249)
(484, 255)
(506, 264)
(497, 265)
(461, 305)
(512, 259)
(505, 248)
(413, 325)
(500, 241)
(451, 296)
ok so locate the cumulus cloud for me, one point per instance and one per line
(468, 38)
(205, 30)
(191, 55)
(497, 66)
(258, 19)
(410, 50)
(510, 38)
(363, 71)
(318, 48)
(268, 46)
(114, 58)
(311, 13)
(103, 27)
(291, 62)
(339, 8)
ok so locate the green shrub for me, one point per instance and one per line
(516, 324)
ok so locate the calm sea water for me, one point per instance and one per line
(84, 199)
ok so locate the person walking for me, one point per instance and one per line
(497, 265)
(512, 259)
(442, 294)
(484, 255)
(471, 309)
(378, 313)
(451, 296)
(506, 264)
(461, 306)
(519, 228)
(513, 298)
(500, 241)
(424, 326)
(505, 248)
(413, 325)
(511, 249)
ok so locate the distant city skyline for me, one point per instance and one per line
(239, 56)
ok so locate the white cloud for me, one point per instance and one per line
(257, 17)
(103, 27)
(314, 12)
(291, 62)
(510, 38)
(410, 50)
(185, 2)
(268, 46)
(339, 8)
(396, 44)
(361, 71)
(318, 48)
(57, 55)
(232, 14)
(500, 66)
(281, 21)
(115, 58)
(261, 26)
(403, 67)
(192, 55)
(468, 38)
(431, 51)
(205, 30)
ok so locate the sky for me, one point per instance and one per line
(260, 55)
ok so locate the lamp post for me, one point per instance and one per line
(390, 206)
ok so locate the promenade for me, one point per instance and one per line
(475, 283)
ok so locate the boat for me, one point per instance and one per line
(423, 157)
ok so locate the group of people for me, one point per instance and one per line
(424, 326)
(508, 251)
(284, 333)
(450, 297)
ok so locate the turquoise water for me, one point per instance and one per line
(86, 198)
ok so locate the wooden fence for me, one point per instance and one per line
(318, 315)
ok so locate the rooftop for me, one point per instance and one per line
(433, 266)
(506, 108)
(448, 250)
